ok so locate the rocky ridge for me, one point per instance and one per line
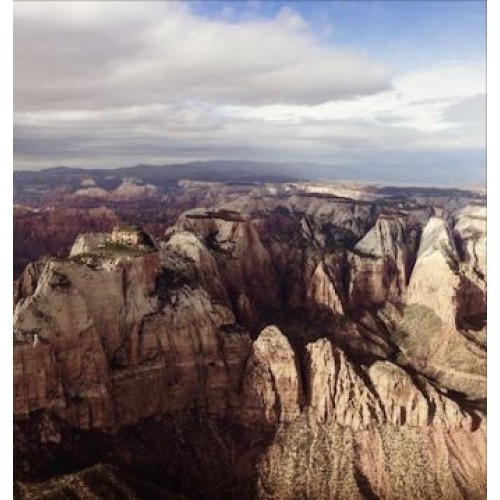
(316, 324)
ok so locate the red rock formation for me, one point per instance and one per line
(53, 231)
(368, 404)
(271, 391)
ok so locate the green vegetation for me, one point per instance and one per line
(60, 281)
(110, 250)
(129, 228)
(227, 215)
(99, 481)
(451, 258)
(414, 329)
(338, 236)
(120, 249)
(418, 325)
(364, 255)
(24, 336)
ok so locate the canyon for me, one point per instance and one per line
(280, 340)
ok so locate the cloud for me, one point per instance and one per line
(110, 84)
(290, 18)
(468, 111)
(89, 55)
(427, 101)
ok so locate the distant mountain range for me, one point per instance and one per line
(234, 171)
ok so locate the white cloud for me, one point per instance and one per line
(109, 83)
(110, 54)
(418, 100)
(290, 18)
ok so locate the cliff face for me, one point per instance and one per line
(302, 348)
(99, 350)
(271, 391)
(51, 232)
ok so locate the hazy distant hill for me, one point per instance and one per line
(166, 176)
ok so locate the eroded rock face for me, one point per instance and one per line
(51, 232)
(435, 279)
(412, 401)
(87, 243)
(382, 262)
(333, 342)
(97, 348)
(307, 460)
(321, 291)
(448, 276)
(247, 271)
(271, 389)
(337, 392)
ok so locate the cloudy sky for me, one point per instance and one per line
(376, 86)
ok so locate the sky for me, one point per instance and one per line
(396, 85)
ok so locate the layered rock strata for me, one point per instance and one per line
(361, 399)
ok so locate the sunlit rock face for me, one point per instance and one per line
(271, 383)
(99, 348)
(269, 347)
(337, 390)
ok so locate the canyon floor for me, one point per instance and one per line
(270, 340)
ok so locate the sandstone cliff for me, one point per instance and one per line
(302, 347)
